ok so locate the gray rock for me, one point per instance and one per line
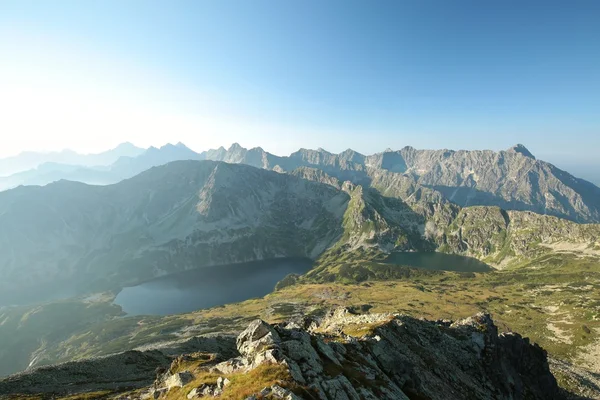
(257, 337)
(407, 358)
(222, 382)
(179, 379)
(194, 394)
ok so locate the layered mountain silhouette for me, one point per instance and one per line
(27, 161)
(513, 179)
(122, 168)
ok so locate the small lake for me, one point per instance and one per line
(438, 261)
(208, 287)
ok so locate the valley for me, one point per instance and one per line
(299, 200)
(550, 299)
(193, 249)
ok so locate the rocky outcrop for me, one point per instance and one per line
(340, 356)
(399, 358)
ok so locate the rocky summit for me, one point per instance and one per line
(512, 179)
(380, 356)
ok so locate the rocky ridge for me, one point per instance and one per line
(179, 216)
(513, 179)
(500, 237)
(348, 356)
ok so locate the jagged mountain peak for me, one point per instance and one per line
(519, 148)
(236, 146)
(322, 150)
(125, 145)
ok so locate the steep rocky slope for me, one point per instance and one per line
(170, 218)
(502, 237)
(513, 179)
(341, 356)
(179, 216)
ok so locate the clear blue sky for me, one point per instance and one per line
(287, 74)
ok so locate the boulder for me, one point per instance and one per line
(180, 379)
(257, 337)
(222, 382)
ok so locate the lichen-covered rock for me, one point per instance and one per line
(257, 344)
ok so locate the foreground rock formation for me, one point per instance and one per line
(400, 358)
(341, 356)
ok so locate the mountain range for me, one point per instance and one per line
(189, 214)
(27, 161)
(513, 179)
(68, 247)
(182, 215)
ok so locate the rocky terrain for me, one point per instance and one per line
(502, 237)
(340, 356)
(513, 179)
(348, 212)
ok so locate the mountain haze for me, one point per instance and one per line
(124, 167)
(31, 160)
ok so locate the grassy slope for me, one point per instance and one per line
(552, 299)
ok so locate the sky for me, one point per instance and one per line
(88, 75)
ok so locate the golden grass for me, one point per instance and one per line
(242, 384)
(88, 396)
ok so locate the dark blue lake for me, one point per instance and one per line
(438, 261)
(208, 287)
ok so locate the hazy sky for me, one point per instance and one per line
(286, 74)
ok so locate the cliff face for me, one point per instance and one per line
(498, 236)
(341, 356)
(513, 179)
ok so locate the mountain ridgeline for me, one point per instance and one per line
(190, 214)
(179, 216)
(513, 179)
